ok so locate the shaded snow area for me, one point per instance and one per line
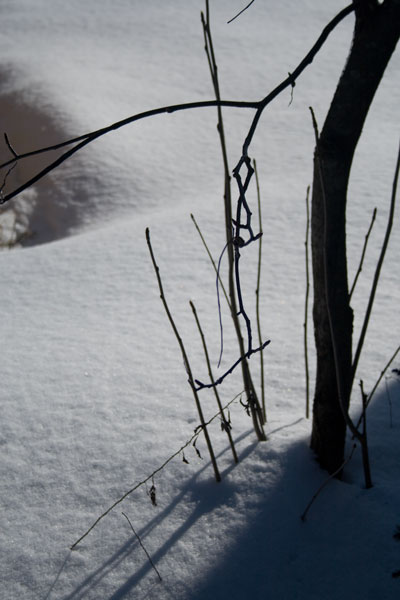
(94, 395)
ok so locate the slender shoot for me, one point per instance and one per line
(142, 546)
(363, 253)
(317, 493)
(306, 243)
(184, 357)
(157, 470)
(262, 382)
(378, 267)
(220, 282)
(225, 423)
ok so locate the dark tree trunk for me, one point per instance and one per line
(376, 32)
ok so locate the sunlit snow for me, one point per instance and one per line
(94, 395)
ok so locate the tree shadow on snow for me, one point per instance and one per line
(344, 549)
(276, 555)
(205, 502)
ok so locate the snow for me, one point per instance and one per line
(94, 396)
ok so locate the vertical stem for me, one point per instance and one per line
(364, 444)
(363, 254)
(211, 259)
(262, 382)
(226, 424)
(185, 359)
(389, 397)
(378, 268)
(306, 306)
(247, 381)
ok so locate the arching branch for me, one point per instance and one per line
(85, 139)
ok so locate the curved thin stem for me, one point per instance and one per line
(378, 268)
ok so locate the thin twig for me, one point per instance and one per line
(85, 139)
(201, 386)
(3, 185)
(289, 81)
(213, 67)
(364, 445)
(389, 397)
(363, 254)
(220, 282)
(241, 12)
(11, 149)
(262, 382)
(306, 305)
(371, 394)
(93, 135)
(184, 357)
(232, 243)
(142, 546)
(82, 140)
(226, 426)
(317, 493)
(378, 268)
(157, 470)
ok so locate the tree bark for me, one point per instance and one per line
(376, 32)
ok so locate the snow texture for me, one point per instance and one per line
(94, 395)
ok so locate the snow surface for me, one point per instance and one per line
(94, 395)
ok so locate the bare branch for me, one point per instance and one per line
(85, 139)
(151, 476)
(371, 394)
(82, 140)
(142, 546)
(201, 385)
(289, 81)
(378, 267)
(211, 259)
(262, 382)
(317, 493)
(241, 12)
(306, 244)
(185, 359)
(225, 423)
(9, 146)
(363, 254)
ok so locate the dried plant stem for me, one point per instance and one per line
(219, 280)
(332, 476)
(389, 397)
(262, 381)
(363, 253)
(233, 253)
(185, 359)
(224, 422)
(378, 268)
(371, 394)
(306, 244)
(364, 445)
(241, 12)
(395, 353)
(151, 476)
(142, 546)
